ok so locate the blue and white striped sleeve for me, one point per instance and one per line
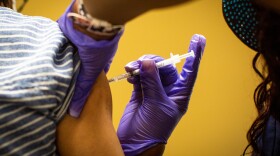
(38, 69)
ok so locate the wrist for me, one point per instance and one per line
(157, 150)
(133, 148)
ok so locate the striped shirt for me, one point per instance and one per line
(38, 69)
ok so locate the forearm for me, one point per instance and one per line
(157, 150)
(122, 11)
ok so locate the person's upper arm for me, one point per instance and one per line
(93, 132)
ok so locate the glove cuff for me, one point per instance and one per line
(136, 149)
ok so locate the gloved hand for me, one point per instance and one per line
(159, 99)
(95, 57)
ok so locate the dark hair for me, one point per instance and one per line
(266, 95)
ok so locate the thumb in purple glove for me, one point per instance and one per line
(159, 100)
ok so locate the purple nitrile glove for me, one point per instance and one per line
(95, 57)
(159, 99)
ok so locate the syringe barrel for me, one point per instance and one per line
(173, 60)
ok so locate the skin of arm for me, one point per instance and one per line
(9, 4)
(157, 150)
(122, 11)
(93, 132)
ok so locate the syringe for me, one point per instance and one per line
(172, 60)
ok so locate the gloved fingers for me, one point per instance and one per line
(168, 74)
(152, 87)
(190, 68)
(130, 67)
(135, 80)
